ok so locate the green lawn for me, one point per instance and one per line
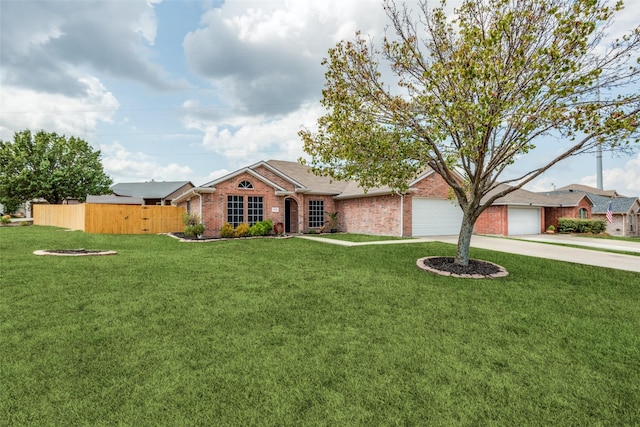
(295, 332)
(605, 237)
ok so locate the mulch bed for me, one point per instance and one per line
(74, 252)
(185, 237)
(477, 269)
(181, 236)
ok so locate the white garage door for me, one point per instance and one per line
(435, 217)
(524, 221)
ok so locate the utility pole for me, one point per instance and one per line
(599, 152)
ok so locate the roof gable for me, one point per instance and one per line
(240, 172)
(586, 189)
(524, 197)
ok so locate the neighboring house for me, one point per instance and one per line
(112, 199)
(625, 210)
(145, 193)
(524, 212)
(288, 193)
(625, 214)
(578, 188)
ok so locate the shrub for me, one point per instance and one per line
(194, 230)
(10, 205)
(6, 219)
(190, 219)
(573, 225)
(242, 230)
(227, 231)
(261, 228)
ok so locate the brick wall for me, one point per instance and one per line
(407, 217)
(494, 220)
(378, 215)
(621, 225)
(432, 186)
(303, 210)
(386, 215)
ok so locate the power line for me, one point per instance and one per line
(175, 108)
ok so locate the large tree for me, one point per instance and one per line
(469, 94)
(49, 166)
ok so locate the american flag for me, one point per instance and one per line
(609, 213)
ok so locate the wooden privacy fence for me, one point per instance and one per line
(111, 219)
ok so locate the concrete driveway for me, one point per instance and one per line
(540, 246)
(547, 246)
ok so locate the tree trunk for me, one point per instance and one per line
(464, 239)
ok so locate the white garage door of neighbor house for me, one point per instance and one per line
(524, 221)
(435, 217)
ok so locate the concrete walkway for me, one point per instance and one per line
(539, 245)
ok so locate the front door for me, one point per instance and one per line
(290, 216)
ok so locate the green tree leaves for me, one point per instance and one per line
(50, 166)
(474, 91)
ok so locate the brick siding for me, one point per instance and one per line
(494, 220)
(379, 215)
(553, 215)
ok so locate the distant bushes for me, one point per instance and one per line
(573, 225)
(261, 228)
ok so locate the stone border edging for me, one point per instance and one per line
(421, 265)
(222, 239)
(101, 253)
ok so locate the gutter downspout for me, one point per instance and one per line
(201, 216)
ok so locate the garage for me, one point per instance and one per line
(435, 217)
(523, 221)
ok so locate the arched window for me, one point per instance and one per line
(582, 213)
(245, 185)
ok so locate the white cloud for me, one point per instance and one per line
(46, 44)
(244, 140)
(625, 180)
(264, 61)
(29, 109)
(214, 175)
(147, 25)
(542, 184)
(264, 58)
(123, 165)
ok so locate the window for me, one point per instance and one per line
(316, 213)
(245, 185)
(582, 213)
(254, 209)
(235, 210)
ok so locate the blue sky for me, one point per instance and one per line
(190, 90)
